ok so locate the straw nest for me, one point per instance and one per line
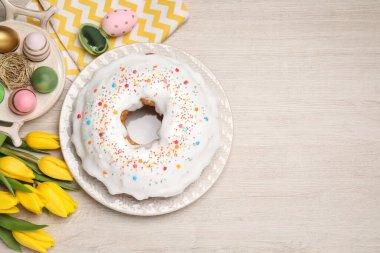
(15, 70)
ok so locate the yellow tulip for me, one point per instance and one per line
(55, 168)
(37, 240)
(31, 201)
(14, 168)
(8, 203)
(42, 140)
(57, 200)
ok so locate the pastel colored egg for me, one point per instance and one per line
(44, 79)
(119, 22)
(36, 47)
(35, 41)
(22, 101)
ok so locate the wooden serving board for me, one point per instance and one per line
(10, 123)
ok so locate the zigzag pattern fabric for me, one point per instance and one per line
(157, 20)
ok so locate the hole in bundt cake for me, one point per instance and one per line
(143, 124)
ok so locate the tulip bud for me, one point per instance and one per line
(57, 200)
(42, 140)
(37, 240)
(13, 168)
(31, 201)
(55, 168)
(8, 203)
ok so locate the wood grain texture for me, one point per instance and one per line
(303, 79)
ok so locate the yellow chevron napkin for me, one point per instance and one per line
(157, 20)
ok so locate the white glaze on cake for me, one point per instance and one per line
(189, 134)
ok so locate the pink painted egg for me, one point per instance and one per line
(119, 22)
(22, 101)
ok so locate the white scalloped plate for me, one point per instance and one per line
(124, 203)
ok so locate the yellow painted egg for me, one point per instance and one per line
(9, 39)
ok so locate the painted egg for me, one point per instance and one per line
(36, 47)
(22, 101)
(44, 79)
(9, 39)
(93, 39)
(2, 92)
(119, 22)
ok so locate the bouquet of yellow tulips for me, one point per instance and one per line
(37, 183)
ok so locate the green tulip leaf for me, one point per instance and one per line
(25, 146)
(42, 178)
(12, 223)
(21, 153)
(7, 237)
(3, 137)
(6, 183)
(16, 185)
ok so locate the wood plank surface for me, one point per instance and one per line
(303, 80)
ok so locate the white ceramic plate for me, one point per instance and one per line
(124, 203)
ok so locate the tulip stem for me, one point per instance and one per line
(25, 146)
(6, 183)
(12, 152)
(42, 178)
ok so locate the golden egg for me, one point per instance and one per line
(9, 40)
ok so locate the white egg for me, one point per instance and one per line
(36, 47)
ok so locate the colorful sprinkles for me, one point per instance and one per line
(102, 114)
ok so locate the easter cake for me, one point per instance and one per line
(188, 137)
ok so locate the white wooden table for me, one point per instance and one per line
(303, 79)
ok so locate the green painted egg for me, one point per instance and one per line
(93, 39)
(2, 92)
(44, 79)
